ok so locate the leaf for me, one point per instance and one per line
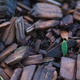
(64, 47)
(64, 35)
(1, 78)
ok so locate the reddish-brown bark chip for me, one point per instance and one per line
(44, 10)
(28, 72)
(67, 70)
(6, 52)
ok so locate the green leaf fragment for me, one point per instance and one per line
(1, 78)
(64, 47)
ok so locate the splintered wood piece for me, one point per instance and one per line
(38, 73)
(23, 6)
(9, 34)
(45, 10)
(17, 56)
(20, 33)
(28, 18)
(56, 51)
(41, 24)
(64, 35)
(5, 24)
(16, 74)
(9, 71)
(30, 27)
(67, 70)
(66, 20)
(34, 59)
(2, 73)
(78, 67)
(37, 45)
(47, 73)
(77, 11)
(28, 72)
(6, 52)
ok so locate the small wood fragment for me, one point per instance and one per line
(4, 24)
(52, 45)
(54, 2)
(41, 24)
(17, 73)
(34, 59)
(17, 56)
(9, 71)
(28, 72)
(47, 59)
(67, 20)
(42, 52)
(78, 68)
(55, 75)
(23, 42)
(8, 36)
(67, 72)
(47, 73)
(1, 20)
(37, 45)
(40, 9)
(2, 73)
(56, 31)
(23, 6)
(19, 25)
(19, 9)
(4, 65)
(6, 52)
(28, 18)
(49, 35)
(38, 73)
(77, 11)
